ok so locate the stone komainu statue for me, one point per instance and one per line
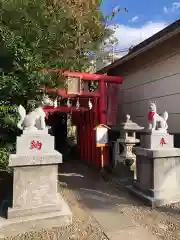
(156, 122)
(35, 120)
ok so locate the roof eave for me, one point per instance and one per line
(138, 52)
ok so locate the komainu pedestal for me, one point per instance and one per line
(35, 180)
(158, 170)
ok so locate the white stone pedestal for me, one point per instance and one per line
(158, 170)
(35, 183)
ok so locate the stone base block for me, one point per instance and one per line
(21, 212)
(144, 197)
(157, 153)
(37, 142)
(35, 186)
(153, 141)
(36, 222)
(18, 160)
(158, 175)
(151, 200)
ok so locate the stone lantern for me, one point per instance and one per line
(124, 144)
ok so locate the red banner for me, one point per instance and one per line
(112, 103)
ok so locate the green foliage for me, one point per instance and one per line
(4, 156)
(38, 34)
(8, 119)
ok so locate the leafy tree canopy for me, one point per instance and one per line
(37, 34)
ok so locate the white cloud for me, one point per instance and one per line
(134, 19)
(131, 36)
(174, 8)
(165, 10)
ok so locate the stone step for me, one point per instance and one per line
(15, 226)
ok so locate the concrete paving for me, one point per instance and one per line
(107, 212)
(106, 203)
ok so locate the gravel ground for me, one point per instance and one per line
(84, 226)
(164, 222)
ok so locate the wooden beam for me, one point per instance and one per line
(87, 76)
(65, 94)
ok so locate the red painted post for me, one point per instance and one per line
(97, 122)
(102, 112)
(91, 131)
(81, 133)
(102, 102)
(85, 142)
(89, 137)
(79, 141)
(83, 138)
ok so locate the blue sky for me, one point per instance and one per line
(143, 19)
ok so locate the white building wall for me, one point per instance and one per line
(159, 81)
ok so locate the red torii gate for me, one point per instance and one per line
(84, 118)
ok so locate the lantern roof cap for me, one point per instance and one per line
(129, 125)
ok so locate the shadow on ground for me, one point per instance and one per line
(95, 193)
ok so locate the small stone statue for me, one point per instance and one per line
(35, 120)
(128, 117)
(156, 122)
